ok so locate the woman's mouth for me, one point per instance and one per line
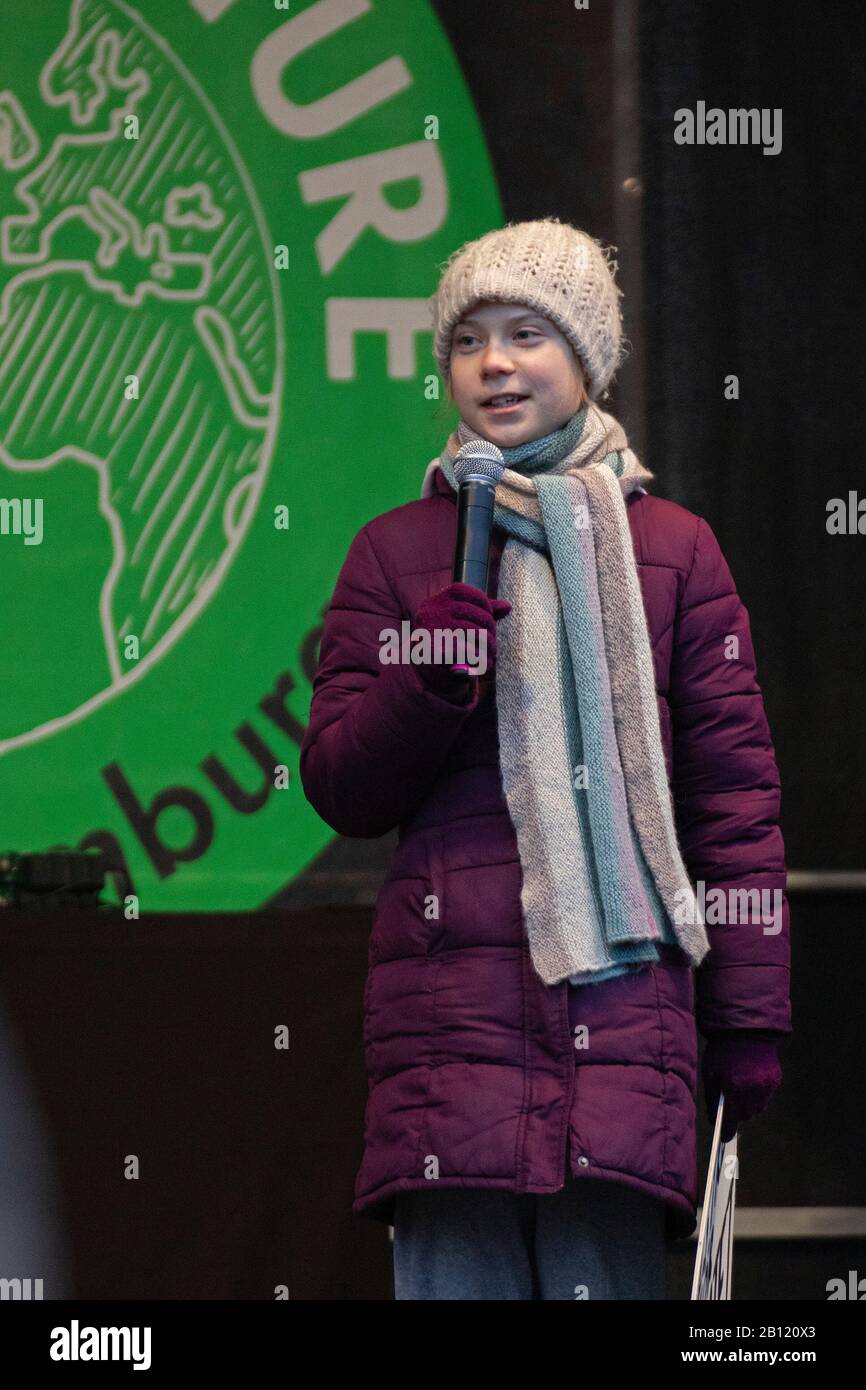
(504, 404)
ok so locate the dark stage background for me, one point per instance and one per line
(155, 1039)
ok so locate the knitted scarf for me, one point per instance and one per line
(581, 755)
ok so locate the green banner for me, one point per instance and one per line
(220, 222)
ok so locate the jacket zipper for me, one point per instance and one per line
(565, 1166)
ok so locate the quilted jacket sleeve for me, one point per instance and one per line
(376, 738)
(727, 797)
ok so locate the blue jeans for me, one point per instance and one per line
(593, 1239)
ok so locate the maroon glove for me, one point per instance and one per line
(748, 1072)
(454, 607)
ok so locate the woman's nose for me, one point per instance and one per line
(496, 359)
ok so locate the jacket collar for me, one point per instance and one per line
(442, 487)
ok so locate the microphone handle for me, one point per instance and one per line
(475, 503)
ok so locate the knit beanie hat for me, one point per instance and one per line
(553, 268)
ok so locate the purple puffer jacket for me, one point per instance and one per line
(473, 1077)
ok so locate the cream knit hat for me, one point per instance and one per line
(552, 267)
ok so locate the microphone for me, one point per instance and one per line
(478, 467)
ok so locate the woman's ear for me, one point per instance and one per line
(581, 380)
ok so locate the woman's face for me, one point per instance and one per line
(503, 349)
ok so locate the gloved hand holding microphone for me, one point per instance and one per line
(464, 604)
(458, 607)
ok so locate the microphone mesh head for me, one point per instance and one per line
(479, 458)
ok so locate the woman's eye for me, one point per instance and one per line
(467, 337)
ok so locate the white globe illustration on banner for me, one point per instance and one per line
(139, 340)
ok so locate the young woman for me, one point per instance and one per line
(541, 955)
